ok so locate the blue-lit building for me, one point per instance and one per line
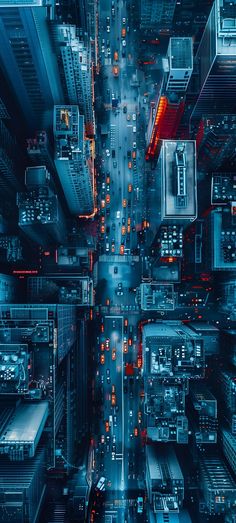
(217, 485)
(73, 159)
(75, 52)
(40, 214)
(215, 62)
(29, 63)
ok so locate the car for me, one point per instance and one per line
(115, 164)
(108, 198)
(130, 342)
(113, 355)
(102, 346)
(103, 49)
(124, 203)
(113, 247)
(125, 109)
(130, 413)
(102, 359)
(115, 270)
(116, 56)
(130, 187)
(107, 344)
(124, 43)
(107, 426)
(134, 155)
(108, 51)
(134, 145)
(128, 117)
(123, 32)
(125, 346)
(113, 400)
(124, 20)
(102, 438)
(115, 71)
(107, 247)
(103, 204)
(122, 249)
(107, 302)
(113, 455)
(118, 214)
(134, 129)
(102, 229)
(108, 29)
(115, 420)
(108, 178)
(130, 165)
(123, 230)
(108, 153)
(136, 431)
(134, 117)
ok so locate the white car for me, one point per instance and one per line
(108, 51)
(108, 152)
(108, 29)
(124, 43)
(134, 117)
(113, 455)
(134, 129)
(134, 145)
(118, 214)
(103, 49)
(123, 20)
(131, 413)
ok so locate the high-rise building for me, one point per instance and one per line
(167, 110)
(177, 167)
(222, 239)
(216, 141)
(172, 354)
(38, 373)
(223, 188)
(180, 64)
(216, 64)
(61, 289)
(229, 448)
(75, 53)
(217, 485)
(164, 480)
(157, 14)
(40, 213)
(29, 63)
(10, 164)
(204, 419)
(8, 288)
(73, 159)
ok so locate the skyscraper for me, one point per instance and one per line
(28, 62)
(76, 53)
(156, 14)
(215, 60)
(73, 160)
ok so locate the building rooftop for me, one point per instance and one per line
(180, 52)
(158, 459)
(155, 296)
(179, 180)
(24, 429)
(223, 188)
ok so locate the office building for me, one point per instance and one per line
(227, 387)
(22, 488)
(229, 448)
(10, 248)
(167, 110)
(157, 297)
(73, 160)
(30, 69)
(180, 64)
(61, 289)
(216, 141)
(88, 13)
(172, 354)
(10, 166)
(164, 480)
(39, 367)
(165, 117)
(22, 432)
(204, 419)
(222, 239)
(177, 168)
(227, 302)
(171, 348)
(223, 188)
(8, 288)
(170, 242)
(40, 151)
(209, 333)
(75, 53)
(40, 214)
(157, 15)
(217, 485)
(216, 64)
